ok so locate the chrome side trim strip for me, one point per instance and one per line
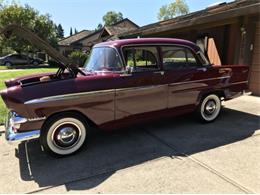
(237, 83)
(36, 119)
(202, 80)
(103, 92)
(139, 88)
(68, 96)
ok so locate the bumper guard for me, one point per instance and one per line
(13, 120)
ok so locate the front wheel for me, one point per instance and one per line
(209, 108)
(63, 135)
(8, 64)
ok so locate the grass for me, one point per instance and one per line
(3, 68)
(13, 74)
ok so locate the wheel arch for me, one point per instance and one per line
(219, 92)
(87, 120)
(6, 62)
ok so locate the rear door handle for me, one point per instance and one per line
(202, 69)
(159, 72)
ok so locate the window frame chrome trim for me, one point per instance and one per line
(159, 45)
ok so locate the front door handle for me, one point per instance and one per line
(125, 75)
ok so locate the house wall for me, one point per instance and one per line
(89, 40)
(65, 50)
(222, 35)
(254, 81)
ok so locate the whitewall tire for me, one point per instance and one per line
(209, 108)
(63, 135)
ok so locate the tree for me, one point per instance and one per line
(99, 26)
(28, 17)
(1, 4)
(71, 33)
(112, 17)
(60, 31)
(177, 8)
(75, 31)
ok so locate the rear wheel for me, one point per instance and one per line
(209, 108)
(35, 63)
(63, 134)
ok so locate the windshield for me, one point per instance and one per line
(103, 59)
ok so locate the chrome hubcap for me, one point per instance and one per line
(66, 135)
(210, 107)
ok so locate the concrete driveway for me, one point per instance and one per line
(177, 155)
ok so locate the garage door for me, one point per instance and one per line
(254, 82)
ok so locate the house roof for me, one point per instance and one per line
(112, 30)
(71, 39)
(115, 30)
(210, 14)
(126, 20)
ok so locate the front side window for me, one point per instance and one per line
(103, 59)
(177, 58)
(141, 58)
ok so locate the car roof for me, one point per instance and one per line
(162, 41)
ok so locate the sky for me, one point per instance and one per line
(87, 14)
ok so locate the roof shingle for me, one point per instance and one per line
(71, 39)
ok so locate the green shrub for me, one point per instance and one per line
(78, 57)
(53, 63)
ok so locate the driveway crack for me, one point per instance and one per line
(200, 163)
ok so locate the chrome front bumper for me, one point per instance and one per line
(11, 124)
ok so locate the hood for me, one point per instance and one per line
(36, 41)
(33, 77)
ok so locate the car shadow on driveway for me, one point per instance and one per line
(106, 153)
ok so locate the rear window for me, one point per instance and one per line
(178, 57)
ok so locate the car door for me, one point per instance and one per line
(142, 91)
(13, 59)
(181, 70)
(24, 59)
(17, 59)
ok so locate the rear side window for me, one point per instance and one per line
(141, 58)
(178, 58)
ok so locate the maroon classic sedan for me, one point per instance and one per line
(123, 82)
